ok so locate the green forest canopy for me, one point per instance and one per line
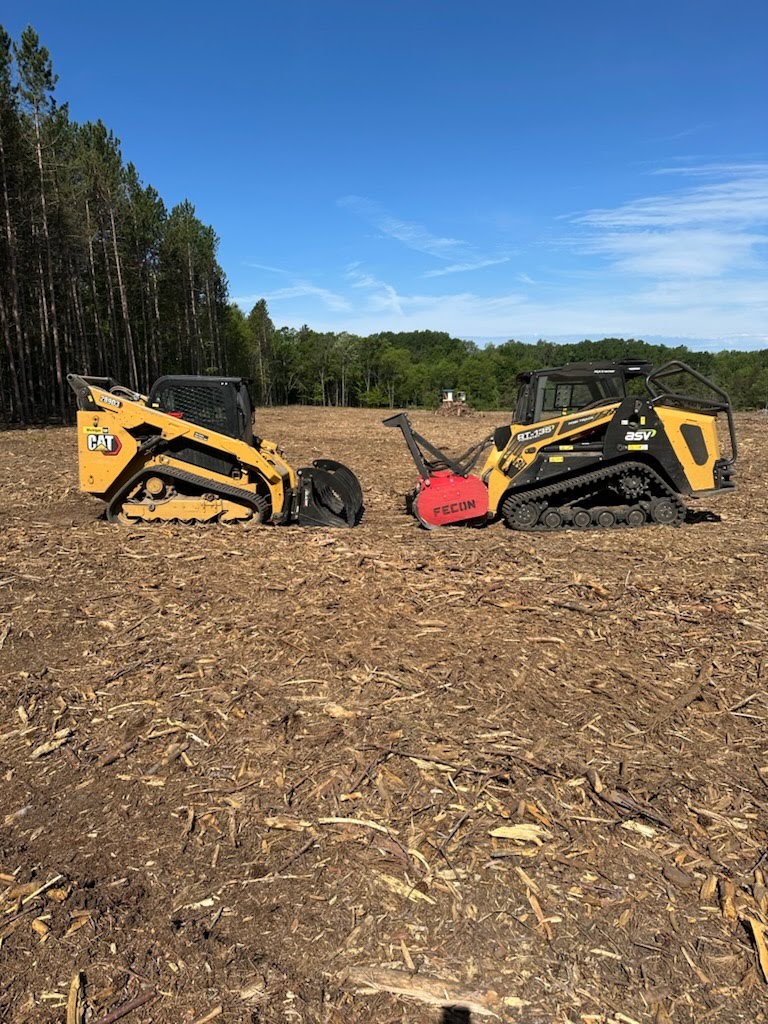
(97, 276)
(410, 368)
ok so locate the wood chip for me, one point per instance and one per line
(404, 889)
(522, 833)
(76, 1001)
(422, 988)
(49, 746)
(758, 934)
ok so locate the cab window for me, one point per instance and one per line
(560, 398)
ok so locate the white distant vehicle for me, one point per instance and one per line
(454, 403)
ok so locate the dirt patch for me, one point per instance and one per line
(249, 773)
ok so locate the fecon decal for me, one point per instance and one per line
(533, 435)
(102, 441)
(455, 506)
(639, 435)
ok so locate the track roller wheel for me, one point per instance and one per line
(582, 519)
(605, 518)
(552, 520)
(635, 517)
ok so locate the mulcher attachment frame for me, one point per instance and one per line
(446, 494)
(329, 494)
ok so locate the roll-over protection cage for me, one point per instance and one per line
(662, 394)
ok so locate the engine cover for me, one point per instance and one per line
(444, 499)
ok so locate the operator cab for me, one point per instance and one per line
(562, 390)
(222, 404)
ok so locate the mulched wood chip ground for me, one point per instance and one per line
(257, 774)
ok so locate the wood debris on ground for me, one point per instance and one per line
(285, 775)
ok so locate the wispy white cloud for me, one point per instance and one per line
(421, 239)
(263, 266)
(733, 314)
(699, 168)
(414, 236)
(382, 297)
(457, 268)
(683, 253)
(741, 198)
(687, 260)
(622, 305)
(382, 303)
(706, 230)
(298, 290)
(685, 133)
(358, 277)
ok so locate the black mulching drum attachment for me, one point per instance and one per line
(328, 495)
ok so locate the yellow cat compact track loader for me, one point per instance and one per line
(187, 453)
(591, 445)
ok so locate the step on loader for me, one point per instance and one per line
(592, 445)
(187, 453)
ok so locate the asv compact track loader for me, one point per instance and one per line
(584, 452)
(187, 452)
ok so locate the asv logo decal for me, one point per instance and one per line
(639, 435)
(106, 443)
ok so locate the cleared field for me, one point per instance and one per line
(247, 773)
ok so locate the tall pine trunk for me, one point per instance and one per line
(18, 377)
(193, 307)
(101, 345)
(116, 366)
(132, 368)
(53, 322)
(17, 408)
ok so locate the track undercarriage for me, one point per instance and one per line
(161, 497)
(328, 494)
(629, 494)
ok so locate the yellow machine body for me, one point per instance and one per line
(622, 458)
(109, 453)
(555, 443)
(608, 444)
(151, 464)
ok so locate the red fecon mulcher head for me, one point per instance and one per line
(445, 493)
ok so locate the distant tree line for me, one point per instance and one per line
(98, 277)
(410, 368)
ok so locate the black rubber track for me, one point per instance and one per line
(570, 503)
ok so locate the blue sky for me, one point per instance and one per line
(491, 169)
